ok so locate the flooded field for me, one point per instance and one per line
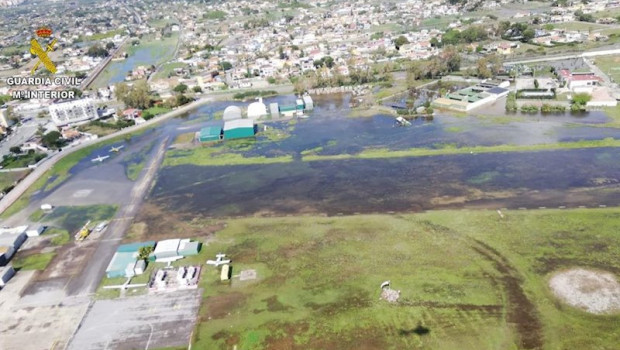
(587, 177)
(404, 184)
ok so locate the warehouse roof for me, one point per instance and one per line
(134, 247)
(168, 245)
(232, 113)
(210, 131)
(238, 123)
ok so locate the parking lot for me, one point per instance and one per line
(140, 322)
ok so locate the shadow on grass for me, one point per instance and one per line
(419, 330)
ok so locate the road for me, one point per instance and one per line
(92, 76)
(89, 278)
(614, 51)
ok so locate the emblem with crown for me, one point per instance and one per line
(44, 32)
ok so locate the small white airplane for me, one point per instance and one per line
(99, 159)
(219, 260)
(116, 149)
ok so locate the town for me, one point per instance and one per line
(224, 174)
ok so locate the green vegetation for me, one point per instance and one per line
(10, 161)
(102, 128)
(187, 137)
(254, 93)
(216, 156)
(61, 236)
(73, 218)
(443, 149)
(8, 179)
(275, 135)
(167, 70)
(135, 161)
(100, 36)
(217, 14)
(33, 262)
(529, 109)
(319, 277)
(511, 102)
(154, 111)
(610, 65)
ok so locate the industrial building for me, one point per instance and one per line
(10, 241)
(124, 261)
(174, 249)
(6, 273)
(240, 128)
(257, 109)
(301, 105)
(73, 112)
(471, 97)
(210, 133)
(232, 113)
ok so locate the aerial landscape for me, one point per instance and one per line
(309, 174)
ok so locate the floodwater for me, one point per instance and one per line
(588, 177)
(570, 178)
(550, 178)
(144, 56)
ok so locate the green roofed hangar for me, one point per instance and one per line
(239, 128)
(210, 133)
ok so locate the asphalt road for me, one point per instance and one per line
(88, 280)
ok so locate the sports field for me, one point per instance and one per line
(468, 280)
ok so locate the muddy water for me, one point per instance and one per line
(587, 177)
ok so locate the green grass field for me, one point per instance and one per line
(610, 65)
(9, 178)
(73, 218)
(33, 262)
(468, 280)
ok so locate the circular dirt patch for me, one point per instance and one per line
(594, 291)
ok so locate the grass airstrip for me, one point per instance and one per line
(467, 280)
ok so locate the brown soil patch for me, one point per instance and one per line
(520, 310)
(155, 223)
(69, 260)
(596, 292)
(220, 306)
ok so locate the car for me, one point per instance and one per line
(101, 226)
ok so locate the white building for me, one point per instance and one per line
(257, 109)
(73, 112)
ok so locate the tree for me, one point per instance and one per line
(15, 149)
(400, 41)
(52, 139)
(536, 84)
(109, 45)
(451, 58)
(581, 98)
(271, 80)
(97, 51)
(528, 34)
(483, 69)
(225, 65)
(197, 89)
(144, 252)
(180, 88)
(182, 99)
